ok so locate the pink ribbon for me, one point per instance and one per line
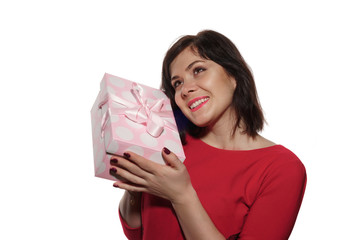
(142, 112)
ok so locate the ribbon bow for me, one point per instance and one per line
(143, 112)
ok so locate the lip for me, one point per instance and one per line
(197, 99)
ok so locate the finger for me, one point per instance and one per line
(143, 163)
(127, 164)
(171, 159)
(123, 174)
(129, 187)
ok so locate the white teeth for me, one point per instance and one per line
(198, 102)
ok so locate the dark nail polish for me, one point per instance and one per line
(114, 160)
(126, 155)
(166, 151)
(113, 170)
(115, 185)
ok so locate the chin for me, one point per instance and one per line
(201, 123)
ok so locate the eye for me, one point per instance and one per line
(198, 70)
(176, 83)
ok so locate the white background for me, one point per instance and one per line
(53, 54)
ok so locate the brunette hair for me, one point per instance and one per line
(216, 47)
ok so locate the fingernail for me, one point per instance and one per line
(113, 170)
(126, 155)
(167, 151)
(114, 160)
(115, 185)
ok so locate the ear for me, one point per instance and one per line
(233, 82)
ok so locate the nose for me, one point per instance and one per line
(188, 87)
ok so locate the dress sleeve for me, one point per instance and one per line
(273, 214)
(130, 233)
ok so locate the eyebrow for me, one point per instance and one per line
(188, 68)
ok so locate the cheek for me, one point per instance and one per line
(177, 99)
(210, 80)
(181, 103)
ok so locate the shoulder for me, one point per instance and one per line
(284, 156)
(281, 156)
(283, 174)
(284, 164)
(277, 152)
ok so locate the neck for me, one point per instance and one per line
(225, 139)
(221, 135)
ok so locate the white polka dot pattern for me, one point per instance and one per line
(133, 124)
(121, 134)
(124, 133)
(173, 146)
(118, 82)
(135, 149)
(148, 140)
(128, 96)
(168, 107)
(158, 94)
(113, 147)
(114, 119)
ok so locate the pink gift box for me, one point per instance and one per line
(129, 116)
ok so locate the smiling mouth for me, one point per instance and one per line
(197, 103)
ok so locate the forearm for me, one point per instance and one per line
(130, 208)
(194, 220)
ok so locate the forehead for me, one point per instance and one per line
(187, 56)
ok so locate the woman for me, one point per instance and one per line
(234, 184)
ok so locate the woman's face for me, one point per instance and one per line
(203, 89)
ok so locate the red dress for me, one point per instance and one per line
(254, 194)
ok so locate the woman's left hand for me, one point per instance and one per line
(170, 181)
